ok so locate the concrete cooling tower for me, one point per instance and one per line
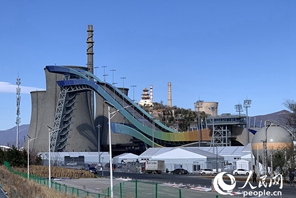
(101, 121)
(210, 108)
(82, 135)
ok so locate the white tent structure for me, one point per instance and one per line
(180, 158)
(125, 157)
(243, 164)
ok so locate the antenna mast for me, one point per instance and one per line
(18, 104)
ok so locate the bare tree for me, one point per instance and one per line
(290, 117)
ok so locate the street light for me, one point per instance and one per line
(28, 158)
(49, 157)
(198, 106)
(113, 70)
(247, 104)
(153, 133)
(238, 109)
(99, 150)
(133, 86)
(123, 78)
(265, 166)
(110, 116)
(213, 127)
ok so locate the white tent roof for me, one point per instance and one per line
(201, 152)
(154, 152)
(247, 156)
(178, 153)
(226, 150)
(242, 161)
(127, 156)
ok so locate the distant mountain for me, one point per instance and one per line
(276, 118)
(8, 137)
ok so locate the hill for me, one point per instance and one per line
(276, 118)
(8, 137)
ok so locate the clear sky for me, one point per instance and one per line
(212, 50)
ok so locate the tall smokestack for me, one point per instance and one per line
(89, 51)
(169, 95)
(151, 93)
(90, 61)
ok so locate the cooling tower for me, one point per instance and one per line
(81, 136)
(210, 108)
(169, 94)
(37, 100)
(101, 122)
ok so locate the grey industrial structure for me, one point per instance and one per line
(83, 118)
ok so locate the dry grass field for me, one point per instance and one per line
(42, 171)
(18, 187)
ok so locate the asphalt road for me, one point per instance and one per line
(2, 195)
(197, 180)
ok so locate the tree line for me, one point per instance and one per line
(19, 158)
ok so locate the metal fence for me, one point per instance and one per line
(125, 189)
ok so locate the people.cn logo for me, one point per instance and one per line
(221, 187)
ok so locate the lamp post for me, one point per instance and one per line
(265, 166)
(110, 116)
(96, 70)
(99, 150)
(238, 109)
(123, 78)
(113, 70)
(153, 133)
(49, 157)
(198, 106)
(213, 127)
(216, 159)
(28, 158)
(133, 86)
(247, 104)
(110, 153)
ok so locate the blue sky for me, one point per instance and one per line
(221, 51)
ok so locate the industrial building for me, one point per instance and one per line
(72, 116)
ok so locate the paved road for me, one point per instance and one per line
(197, 180)
(144, 190)
(2, 195)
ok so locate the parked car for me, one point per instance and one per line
(180, 171)
(207, 171)
(240, 172)
(93, 170)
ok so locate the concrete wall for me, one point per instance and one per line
(82, 134)
(101, 119)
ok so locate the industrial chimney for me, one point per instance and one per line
(169, 95)
(89, 51)
(90, 62)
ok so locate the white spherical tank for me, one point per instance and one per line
(278, 138)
